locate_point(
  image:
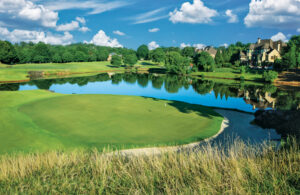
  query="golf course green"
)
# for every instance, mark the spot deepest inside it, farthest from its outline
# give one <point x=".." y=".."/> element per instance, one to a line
<point x="40" y="120"/>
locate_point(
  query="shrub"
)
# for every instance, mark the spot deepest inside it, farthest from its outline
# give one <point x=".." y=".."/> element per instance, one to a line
<point x="270" y="76"/>
<point x="242" y="78"/>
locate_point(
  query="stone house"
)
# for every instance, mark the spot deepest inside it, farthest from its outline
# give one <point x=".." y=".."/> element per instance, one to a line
<point x="211" y="50"/>
<point x="263" y="51"/>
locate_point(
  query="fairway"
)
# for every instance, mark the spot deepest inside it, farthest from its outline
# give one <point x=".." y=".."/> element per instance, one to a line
<point x="40" y="121"/>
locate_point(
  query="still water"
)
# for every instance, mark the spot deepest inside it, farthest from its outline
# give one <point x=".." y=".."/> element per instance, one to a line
<point x="240" y="96"/>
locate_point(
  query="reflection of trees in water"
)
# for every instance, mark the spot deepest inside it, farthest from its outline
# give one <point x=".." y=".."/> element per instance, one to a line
<point x="130" y="78"/>
<point x="142" y="79"/>
<point x="10" y="87"/>
<point x="174" y="82"/>
<point x="259" y="96"/>
<point x="157" y="81"/>
<point x="203" y="86"/>
<point x="116" y="78"/>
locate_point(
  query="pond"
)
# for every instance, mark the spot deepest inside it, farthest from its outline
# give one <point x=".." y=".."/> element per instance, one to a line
<point x="214" y="93"/>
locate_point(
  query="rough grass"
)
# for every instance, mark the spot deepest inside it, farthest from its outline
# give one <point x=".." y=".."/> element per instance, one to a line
<point x="211" y="170"/>
<point x="42" y="121"/>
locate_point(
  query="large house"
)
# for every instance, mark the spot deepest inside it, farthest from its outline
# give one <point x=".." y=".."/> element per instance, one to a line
<point x="211" y="50"/>
<point x="263" y="51"/>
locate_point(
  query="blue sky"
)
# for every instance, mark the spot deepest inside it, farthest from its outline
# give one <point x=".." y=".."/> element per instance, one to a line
<point x="130" y="23"/>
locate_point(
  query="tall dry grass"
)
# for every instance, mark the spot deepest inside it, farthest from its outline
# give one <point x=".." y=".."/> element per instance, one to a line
<point x="239" y="169"/>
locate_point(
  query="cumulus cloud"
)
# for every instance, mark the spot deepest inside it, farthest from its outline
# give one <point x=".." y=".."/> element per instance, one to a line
<point x="193" y="13"/>
<point x="102" y="39"/>
<point x="84" y="29"/>
<point x="279" y="36"/>
<point x="19" y="11"/>
<point x="117" y="32"/>
<point x="74" y="25"/>
<point x="224" y="45"/>
<point x="273" y="14"/>
<point x="198" y="45"/>
<point x="233" y="18"/>
<point x="154" y="30"/>
<point x="18" y="35"/>
<point x="81" y="20"/>
<point x="153" y="45"/>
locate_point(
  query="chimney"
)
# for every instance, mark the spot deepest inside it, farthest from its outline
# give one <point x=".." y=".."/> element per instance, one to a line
<point x="278" y="46"/>
<point x="258" y="41"/>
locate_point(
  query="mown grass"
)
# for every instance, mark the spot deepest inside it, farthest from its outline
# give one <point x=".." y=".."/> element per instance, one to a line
<point x="210" y="170"/>
<point x="20" y="71"/>
<point x="230" y="73"/>
<point x="41" y="121"/>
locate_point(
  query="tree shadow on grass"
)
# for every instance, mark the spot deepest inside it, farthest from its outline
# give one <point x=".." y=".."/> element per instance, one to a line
<point x="189" y="108"/>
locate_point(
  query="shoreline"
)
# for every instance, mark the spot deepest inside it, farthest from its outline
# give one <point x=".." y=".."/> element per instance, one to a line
<point x="159" y="150"/>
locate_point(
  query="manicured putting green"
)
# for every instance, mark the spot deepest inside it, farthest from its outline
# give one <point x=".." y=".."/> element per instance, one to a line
<point x="40" y="120"/>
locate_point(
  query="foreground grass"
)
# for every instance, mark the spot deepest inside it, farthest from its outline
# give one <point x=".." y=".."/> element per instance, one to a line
<point x="20" y="71"/>
<point x="211" y="170"/>
<point x="41" y="121"/>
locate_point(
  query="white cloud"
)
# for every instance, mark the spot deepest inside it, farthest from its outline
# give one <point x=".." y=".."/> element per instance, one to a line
<point x="198" y="45"/>
<point x="95" y="6"/>
<point x="74" y="25"/>
<point x="81" y="20"/>
<point x="183" y="45"/>
<point x="150" y="16"/>
<point x="117" y="32"/>
<point x="224" y="45"/>
<point x="19" y="11"/>
<point x="233" y="18"/>
<point x="298" y="30"/>
<point x="18" y="35"/>
<point x="84" y="29"/>
<point x="102" y="39"/>
<point x="279" y="36"/>
<point x="193" y="13"/>
<point x="153" y="45"/>
<point x="273" y="14"/>
<point x="154" y="30"/>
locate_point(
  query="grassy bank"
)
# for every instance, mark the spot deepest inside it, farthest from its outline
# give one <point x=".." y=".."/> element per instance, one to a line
<point x="20" y="72"/>
<point x="207" y="171"/>
<point x="42" y="121"/>
<point x="229" y="73"/>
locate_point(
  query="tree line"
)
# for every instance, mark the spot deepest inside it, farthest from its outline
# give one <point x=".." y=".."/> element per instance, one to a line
<point x="176" y="60"/>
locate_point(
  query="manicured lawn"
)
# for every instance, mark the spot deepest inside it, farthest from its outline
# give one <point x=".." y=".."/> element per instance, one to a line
<point x="230" y="73"/>
<point x="40" y="121"/>
<point x="20" y="71"/>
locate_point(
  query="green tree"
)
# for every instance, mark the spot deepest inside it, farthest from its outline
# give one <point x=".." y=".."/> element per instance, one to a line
<point x="41" y="53"/>
<point x="158" y="55"/>
<point x="8" y="54"/>
<point x="142" y="52"/>
<point x="57" y="58"/>
<point x="130" y="59"/>
<point x="204" y="61"/>
<point x="116" y="60"/>
<point x="219" y="58"/>
<point x="80" y="57"/>
<point x="270" y="76"/>
<point x="177" y="64"/>
<point x="188" y="52"/>
<point x="67" y="57"/>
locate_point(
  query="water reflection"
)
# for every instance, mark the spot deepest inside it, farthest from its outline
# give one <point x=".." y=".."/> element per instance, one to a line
<point x="242" y="96"/>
